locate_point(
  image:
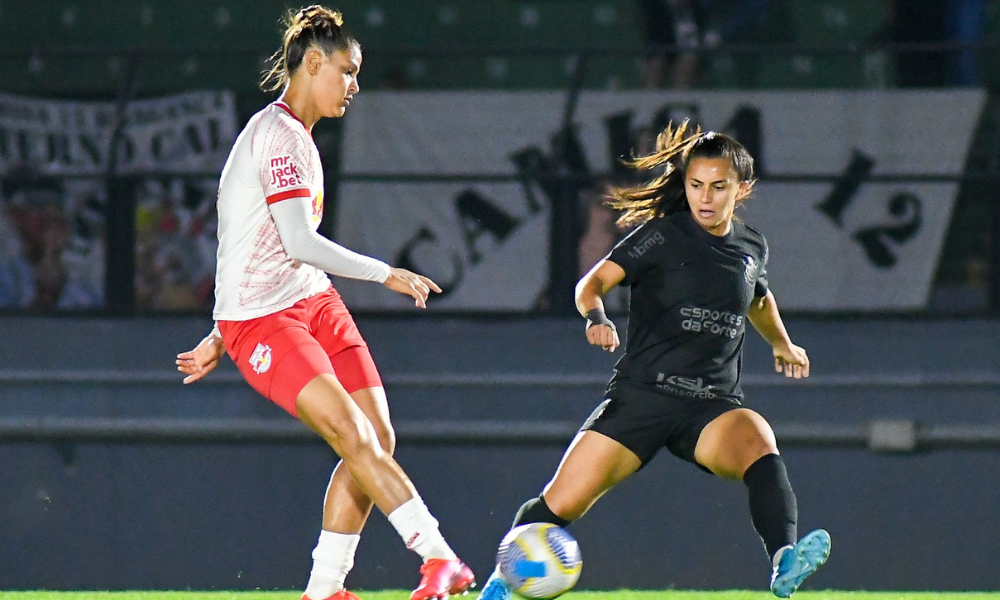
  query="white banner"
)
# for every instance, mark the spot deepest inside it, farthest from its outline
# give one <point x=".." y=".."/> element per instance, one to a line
<point x="52" y="254"/>
<point x="179" y="134"/>
<point x="850" y="244"/>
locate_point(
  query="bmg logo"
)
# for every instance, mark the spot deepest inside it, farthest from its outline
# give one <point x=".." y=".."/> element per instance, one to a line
<point x="643" y="247"/>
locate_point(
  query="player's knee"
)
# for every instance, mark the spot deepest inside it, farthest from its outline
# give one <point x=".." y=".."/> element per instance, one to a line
<point x="322" y="424"/>
<point x="753" y="434"/>
<point x="752" y="454"/>
<point x="351" y="439"/>
<point x="360" y="439"/>
<point x="387" y="440"/>
<point x="384" y="434"/>
<point x="759" y="446"/>
<point x="568" y="509"/>
<point x="537" y="510"/>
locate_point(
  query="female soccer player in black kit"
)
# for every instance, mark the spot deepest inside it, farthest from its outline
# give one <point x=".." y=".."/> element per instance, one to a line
<point x="696" y="276"/>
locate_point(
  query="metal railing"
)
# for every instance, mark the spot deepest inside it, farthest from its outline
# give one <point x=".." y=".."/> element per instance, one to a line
<point x="884" y="435"/>
<point x="875" y="435"/>
<point x="976" y="379"/>
<point x="843" y="48"/>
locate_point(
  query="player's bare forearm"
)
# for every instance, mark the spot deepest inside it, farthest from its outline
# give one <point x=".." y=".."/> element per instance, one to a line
<point x="788" y="358"/>
<point x="589" y="295"/>
<point x="202" y="359"/>
<point x="598" y="281"/>
<point x="766" y="319"/>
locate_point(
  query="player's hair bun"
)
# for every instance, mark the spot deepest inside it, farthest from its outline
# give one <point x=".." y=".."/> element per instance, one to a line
<point x="312" y="25"/>
<point x="315" y="15"/>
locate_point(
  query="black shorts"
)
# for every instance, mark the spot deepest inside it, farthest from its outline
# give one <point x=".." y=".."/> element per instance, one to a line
<point x="645" y="420"/>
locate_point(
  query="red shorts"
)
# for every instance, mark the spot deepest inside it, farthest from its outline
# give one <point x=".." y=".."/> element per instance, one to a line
<point x="278" y="354"/>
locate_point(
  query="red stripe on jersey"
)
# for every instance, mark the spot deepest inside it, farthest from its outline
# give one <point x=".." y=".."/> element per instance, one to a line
<point x="299" y="193"/>
<point x="288" y="110"/>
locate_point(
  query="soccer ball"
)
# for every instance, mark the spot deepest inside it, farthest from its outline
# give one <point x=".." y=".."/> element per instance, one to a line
<point x="539" y="560"/>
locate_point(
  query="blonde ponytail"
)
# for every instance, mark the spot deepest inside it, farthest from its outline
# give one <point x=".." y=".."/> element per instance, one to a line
<point x="312" y="25"/>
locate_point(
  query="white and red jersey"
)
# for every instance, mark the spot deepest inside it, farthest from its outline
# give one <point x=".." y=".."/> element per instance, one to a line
<point x="274" y="159"/>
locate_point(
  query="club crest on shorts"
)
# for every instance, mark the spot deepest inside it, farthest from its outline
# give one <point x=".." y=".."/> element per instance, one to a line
<point x="260" y="360"/>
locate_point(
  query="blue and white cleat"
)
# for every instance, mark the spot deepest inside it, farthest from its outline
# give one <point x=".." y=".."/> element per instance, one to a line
<point x="495" y="588"/>
<point x="799" y="561"/>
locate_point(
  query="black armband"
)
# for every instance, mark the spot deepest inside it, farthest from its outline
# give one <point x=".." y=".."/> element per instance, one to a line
<point x="596" y="316"/>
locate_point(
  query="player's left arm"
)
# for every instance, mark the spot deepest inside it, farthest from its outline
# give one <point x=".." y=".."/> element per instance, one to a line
<point x="203" y="358"/>
<point x="766" y="319"/>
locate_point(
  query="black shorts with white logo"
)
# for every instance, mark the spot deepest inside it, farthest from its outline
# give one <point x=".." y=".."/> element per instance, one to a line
<point x="645" y="420"/>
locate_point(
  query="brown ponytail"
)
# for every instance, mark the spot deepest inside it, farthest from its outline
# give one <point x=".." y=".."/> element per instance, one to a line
<point x="665" y="194"/>
<point x="310" y="26"/>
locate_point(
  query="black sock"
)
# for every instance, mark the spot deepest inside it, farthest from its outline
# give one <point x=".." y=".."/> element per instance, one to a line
<point x="537" y="511"/>
<point x="772" y="502"/>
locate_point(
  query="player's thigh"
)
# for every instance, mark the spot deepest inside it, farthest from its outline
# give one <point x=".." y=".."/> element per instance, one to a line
<point x="733" y="441"/>
<point x="592" y="465"/>
<point x="356" y="371"/>
<point x="276" y="355"/>
<point x="373" y="403"/>
<point x="326" y="408"/>
<point x="355" y="367"/>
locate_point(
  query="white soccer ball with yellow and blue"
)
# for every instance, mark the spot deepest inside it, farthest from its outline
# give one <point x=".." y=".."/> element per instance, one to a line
<point x="539" y="560"/>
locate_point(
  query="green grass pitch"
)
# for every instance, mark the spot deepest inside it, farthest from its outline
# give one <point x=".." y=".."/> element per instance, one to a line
<point x="580" y="595"/>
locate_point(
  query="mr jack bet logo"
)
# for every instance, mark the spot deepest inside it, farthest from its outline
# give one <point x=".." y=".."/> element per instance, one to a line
<point x="284" y="173"/>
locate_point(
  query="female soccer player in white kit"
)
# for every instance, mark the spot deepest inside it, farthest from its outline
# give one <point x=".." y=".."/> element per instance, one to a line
<point x="286" y="327"/>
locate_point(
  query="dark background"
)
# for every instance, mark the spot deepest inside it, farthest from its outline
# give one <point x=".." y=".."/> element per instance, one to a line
<point x="103" y="485"/>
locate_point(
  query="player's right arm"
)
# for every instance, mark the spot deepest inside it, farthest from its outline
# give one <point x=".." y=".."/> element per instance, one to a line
<point x="412" y="284"/>
<point x="590" y="292"/>
<point x="203" y="358"/>
<point x="302" y="243"/>
<point x="290" y="203"/>
<point x="630" y="257"/>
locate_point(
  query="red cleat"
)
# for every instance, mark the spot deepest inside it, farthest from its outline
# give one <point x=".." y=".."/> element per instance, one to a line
<point x="341" y="595"/>
<point x="443" y="578"/>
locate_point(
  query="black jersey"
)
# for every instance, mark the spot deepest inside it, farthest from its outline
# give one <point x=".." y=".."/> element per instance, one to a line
<point x="690" y="294"/>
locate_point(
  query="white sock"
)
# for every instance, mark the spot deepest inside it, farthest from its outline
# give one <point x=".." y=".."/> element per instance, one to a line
<point x="495" y="574"/>
<point x="419" y="530"/>
<point x="333" y="558"/>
